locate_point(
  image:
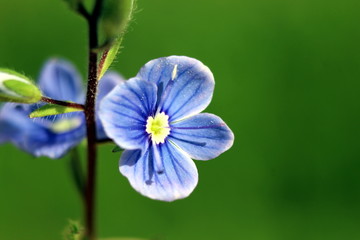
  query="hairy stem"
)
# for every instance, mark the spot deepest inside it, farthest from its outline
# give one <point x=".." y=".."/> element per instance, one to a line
<point x="90" y="123"/>
<point x="63" y="103"/>
<point x="91" y="149"/>
<point x="82" y="11"/>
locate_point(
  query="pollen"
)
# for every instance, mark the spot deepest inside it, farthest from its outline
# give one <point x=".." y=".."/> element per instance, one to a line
<point x="158" y="127"/>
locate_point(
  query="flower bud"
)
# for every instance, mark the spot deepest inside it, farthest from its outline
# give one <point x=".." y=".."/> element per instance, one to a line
<point x="15" y="87"/>
<point x="115" y="16"/>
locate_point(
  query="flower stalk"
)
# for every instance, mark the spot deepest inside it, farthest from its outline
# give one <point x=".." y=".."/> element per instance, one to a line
<point x="62" y="103"/>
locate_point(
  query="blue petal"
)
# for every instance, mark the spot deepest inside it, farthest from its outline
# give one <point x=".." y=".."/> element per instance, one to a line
<point x="5" y="132"/>
<point x="124" y="111"/>
<point x="53" y="145"/>
<point x="14" y="123"/>
<point x="59" y="80"/>
<point x="36" y="136"/>
<point x="185" y="85"/>
<point x="176" y="180"/>
<point x="106" y="84"/>
<point x="203" y="136"/>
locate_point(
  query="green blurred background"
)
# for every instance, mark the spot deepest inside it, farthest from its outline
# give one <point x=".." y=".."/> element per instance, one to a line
<point x="287" y="82"/>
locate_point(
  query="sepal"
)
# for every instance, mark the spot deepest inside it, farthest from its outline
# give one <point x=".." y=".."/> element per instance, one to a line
<point x="51" y="109"/>
<point x="115" y="17"/>
<point x="117" y="149"/>
<point x="108" y="57"/>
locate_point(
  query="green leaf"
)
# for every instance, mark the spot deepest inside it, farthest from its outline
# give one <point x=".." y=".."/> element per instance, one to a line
<point x="51" y="109"/>
<point x="115" y="17"/>
<point x="117" y="149"/>
<point x="108" y="57"/>
<point x="15" y="87"/>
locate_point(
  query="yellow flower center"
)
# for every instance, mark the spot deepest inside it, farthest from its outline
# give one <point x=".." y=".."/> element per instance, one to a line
<point x="158" y="127"/>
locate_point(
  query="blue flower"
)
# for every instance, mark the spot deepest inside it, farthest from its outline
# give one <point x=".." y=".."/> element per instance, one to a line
<point x="52" y="136"/>
<point x="156" y="117"/>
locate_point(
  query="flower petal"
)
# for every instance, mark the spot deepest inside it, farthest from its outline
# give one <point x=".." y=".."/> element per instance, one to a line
<point x="106" y="84"/>
<point x="124" y="111"/>
<point x="53" y="145"/>
<point x="13" y="123"/>
<point x="60" y="80"/>
<point x="185" y="85"/>
<point x="177" y="180"/>
<point x="36" y="137"/>
<point x="203" y="136"/>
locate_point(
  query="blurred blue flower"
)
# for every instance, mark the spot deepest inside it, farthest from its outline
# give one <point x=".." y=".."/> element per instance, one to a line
<point x="156" y="117"/>
<point x="52" y="136"/>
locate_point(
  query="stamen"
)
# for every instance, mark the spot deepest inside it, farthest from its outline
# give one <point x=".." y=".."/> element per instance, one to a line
<point x="158" y="164"/>
<point x="174" y="72"/>
<point x="158" y="127"/>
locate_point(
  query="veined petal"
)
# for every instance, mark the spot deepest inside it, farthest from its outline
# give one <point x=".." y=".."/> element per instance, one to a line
<point x="177" y="180"/>
<point x="124" y="111"/>
<point x="34" y="137"/>
<point x="185" y="85"/>
<point x="60" y="80"/>
<point x="106" y="84"/>
<point x="203" y="136"/>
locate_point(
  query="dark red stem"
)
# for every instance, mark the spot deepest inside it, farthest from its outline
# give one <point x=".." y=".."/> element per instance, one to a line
<point x="90" y="122"/>
<point x="63" y="103"/>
